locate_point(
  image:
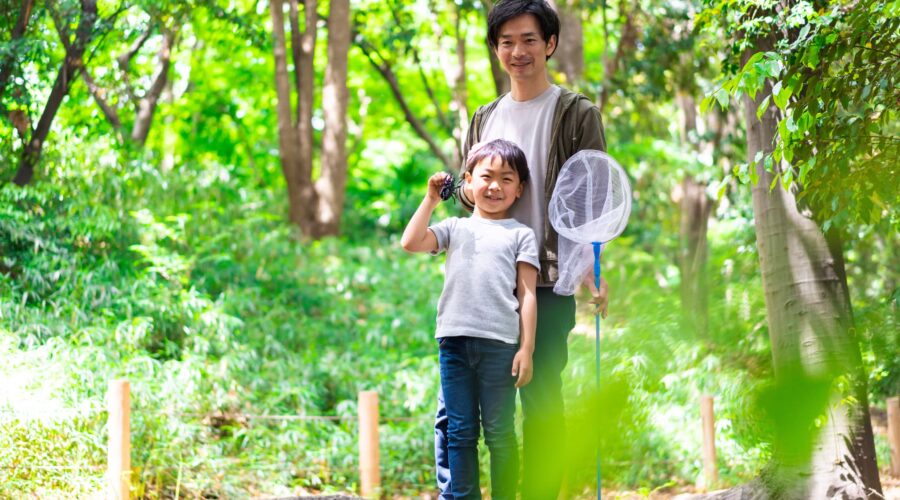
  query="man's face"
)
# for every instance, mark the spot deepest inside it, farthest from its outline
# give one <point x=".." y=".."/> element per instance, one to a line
<point x="521" y="49"/>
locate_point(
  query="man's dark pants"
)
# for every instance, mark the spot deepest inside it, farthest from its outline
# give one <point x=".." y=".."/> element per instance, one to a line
<point x="542" y="405"/>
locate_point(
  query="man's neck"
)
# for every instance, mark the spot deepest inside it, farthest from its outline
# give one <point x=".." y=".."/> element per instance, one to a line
<point x="528" y="90"/>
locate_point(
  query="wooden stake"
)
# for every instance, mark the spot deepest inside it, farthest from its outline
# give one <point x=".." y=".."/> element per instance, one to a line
<point x="710" y="472"/>
<point x="119" y="453"/>
<point x="369" y="468"/>
<point x="893" y="416"/>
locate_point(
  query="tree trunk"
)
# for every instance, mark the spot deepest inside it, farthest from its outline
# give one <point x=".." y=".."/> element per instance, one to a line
<point x="501" y="79"/>
<point x="695" y="210"/>
<point x="569" y="54"/>
<point x="810" y="329"/>
<point x="147" y="105"/>
<point x="627" y="43"/>
<point x="460" y="91"/>
<point x="68" y="70"/>
<point x="295" y="141"/>
<point x="305" y="82"/>
<point x="332" y="182"/>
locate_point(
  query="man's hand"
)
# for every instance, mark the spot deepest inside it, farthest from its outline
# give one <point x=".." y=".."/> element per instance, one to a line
<point x="522" y="368"/>
<point x="600" y="298"/>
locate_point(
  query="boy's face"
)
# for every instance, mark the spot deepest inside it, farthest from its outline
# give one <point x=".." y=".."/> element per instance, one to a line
<point x="495" y="186"/>
<point x="522" y="50"/>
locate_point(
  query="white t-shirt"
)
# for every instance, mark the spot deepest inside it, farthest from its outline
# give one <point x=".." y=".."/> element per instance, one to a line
<point x="479" y="298"/>
<point x="528" y="125"/>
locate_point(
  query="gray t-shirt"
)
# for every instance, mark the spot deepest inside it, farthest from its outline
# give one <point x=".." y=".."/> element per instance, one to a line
<point x="528" y="124"/>
<point x="479" y="298"/>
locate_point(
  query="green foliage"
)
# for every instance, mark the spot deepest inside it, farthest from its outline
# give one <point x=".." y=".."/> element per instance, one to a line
<point x="832" y="73"/>
<point x="173" y="265"/>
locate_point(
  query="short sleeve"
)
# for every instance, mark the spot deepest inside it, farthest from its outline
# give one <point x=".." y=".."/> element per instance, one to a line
<point x="442" y="231"/>
<point x="527" y="248"/>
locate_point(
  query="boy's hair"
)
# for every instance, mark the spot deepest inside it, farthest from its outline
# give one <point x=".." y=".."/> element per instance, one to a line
<point x="506" y="151"/>
<point x="505" y="10"/>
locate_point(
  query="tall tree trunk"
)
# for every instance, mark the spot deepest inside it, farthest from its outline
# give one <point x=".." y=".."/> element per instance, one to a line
<point x="305" y="83"/>
<point x="501" y="79"/>
<point x="810" y="328"/>
<point x="569" y="54"/>
<point x="627" y="43"/>
<point x="460" y="90"/>
<point x="295" y="140"/>
<point x="68" y="71"/>
<point x="332" y="182"/>
<point x="695" y="210"/>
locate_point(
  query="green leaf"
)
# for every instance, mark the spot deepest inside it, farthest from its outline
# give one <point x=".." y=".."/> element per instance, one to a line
<point x="722" y="98"/>
<point x="782" y="94"/>
<point x="723" y="186"/>
<point x="790" y="124"/>
<point x="812" y="56"/>
<point x="762" y="107"/>
<point x="783" y="131"/>
<point x="774" y="181"/>
<point x="805" y="168"/>
<point x="787" y="178"/>
<point x="805" y="123"/>
<point x="704" y="104"/>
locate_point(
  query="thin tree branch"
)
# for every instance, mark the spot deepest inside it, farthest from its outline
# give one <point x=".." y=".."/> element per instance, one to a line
<point x="110" y="112"/>
<point x="147" y="105"/>
<point x="388" y="74"/>
<point x="415" y="53"/>
<point x="124" y="60"/>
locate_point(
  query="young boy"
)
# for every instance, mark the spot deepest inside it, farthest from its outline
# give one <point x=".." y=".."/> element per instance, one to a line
<point x="486" y="314"/>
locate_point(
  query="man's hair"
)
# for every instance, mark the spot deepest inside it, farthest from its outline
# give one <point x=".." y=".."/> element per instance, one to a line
<point x="506" y="151"/>
<point x="504" y="10"/>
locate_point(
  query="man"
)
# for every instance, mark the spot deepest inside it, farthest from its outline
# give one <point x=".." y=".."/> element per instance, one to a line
<point x="550" y="124"/>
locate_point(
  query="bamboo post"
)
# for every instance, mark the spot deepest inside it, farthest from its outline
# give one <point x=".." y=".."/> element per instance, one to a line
<point x="710" y="472"/>
<point x="893" y="414"/>
<point x="369" y="468"/>
<point x="119" y="451"/>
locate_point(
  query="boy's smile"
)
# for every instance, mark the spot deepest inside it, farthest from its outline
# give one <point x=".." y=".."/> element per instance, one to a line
<point x="495" y="186"/>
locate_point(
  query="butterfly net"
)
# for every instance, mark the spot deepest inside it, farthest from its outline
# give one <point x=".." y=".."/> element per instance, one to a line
<point x="591" y="203"/>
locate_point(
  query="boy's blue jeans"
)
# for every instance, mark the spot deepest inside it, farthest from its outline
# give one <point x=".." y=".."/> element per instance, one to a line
<point x="542" y="406"/>
<point x="477" y="385"/>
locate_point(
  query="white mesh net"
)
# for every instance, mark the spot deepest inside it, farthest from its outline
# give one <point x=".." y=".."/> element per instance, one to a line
<point x="591" y="203"/>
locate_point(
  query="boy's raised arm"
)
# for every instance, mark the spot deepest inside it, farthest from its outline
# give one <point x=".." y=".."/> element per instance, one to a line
<point x="416" y="236"/>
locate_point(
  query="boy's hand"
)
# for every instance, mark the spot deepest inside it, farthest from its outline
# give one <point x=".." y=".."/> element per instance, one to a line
<point x="522" y="368"/>
<point x="434" y="186"/>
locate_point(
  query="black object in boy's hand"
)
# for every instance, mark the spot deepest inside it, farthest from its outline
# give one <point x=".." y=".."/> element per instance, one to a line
<point x="450" y="188"/>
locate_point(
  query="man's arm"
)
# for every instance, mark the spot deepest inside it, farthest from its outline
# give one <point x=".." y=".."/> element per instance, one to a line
<point x="592" y="136"/>
<point x="590" y="133"/>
